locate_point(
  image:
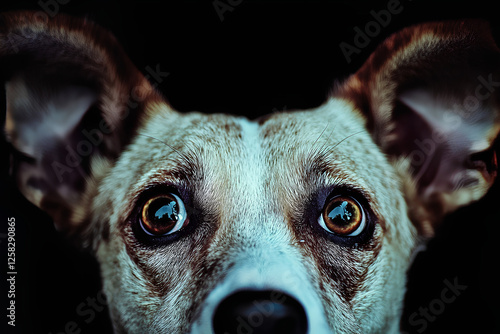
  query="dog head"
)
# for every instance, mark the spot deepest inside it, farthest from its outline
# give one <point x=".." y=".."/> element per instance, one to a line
<point x="301" y="221"/>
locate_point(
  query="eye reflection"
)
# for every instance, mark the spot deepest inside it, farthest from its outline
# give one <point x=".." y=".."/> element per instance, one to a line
<point x="164" y="214"/>
<point x="341" y="212"/>
<point x="170" y="210"/>
<point x="343" y="215"/>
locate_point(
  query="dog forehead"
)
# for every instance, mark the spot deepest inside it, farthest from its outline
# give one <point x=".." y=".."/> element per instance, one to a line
<point x="235" y="160"/>
<point x="331" y="139"/>
<point x="226" y="149"/>
<point x="225" y="146"/>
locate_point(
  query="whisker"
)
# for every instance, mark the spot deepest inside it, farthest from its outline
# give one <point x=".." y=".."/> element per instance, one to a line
<point x="322" y="152"/>
<point x="181" y="154"/>
<point x="314" y="144"/>
<point x="347" y="137"/>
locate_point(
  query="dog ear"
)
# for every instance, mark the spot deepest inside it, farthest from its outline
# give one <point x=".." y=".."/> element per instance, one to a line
<point x="430" y="97"/>
<point x="73" y="101"/>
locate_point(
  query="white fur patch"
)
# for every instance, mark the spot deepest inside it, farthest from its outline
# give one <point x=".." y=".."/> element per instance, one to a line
<point x="272" y="263"/>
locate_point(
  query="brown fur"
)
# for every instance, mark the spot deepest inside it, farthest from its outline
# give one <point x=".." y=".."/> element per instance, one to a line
<point x="254" y="190"/>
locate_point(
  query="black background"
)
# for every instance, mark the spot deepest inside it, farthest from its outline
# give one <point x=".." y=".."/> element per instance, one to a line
<point x="264" y="56"/>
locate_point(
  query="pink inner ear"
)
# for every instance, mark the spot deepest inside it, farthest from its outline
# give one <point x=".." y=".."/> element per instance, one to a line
<point x="38" y="115"/>
<point x="439" y="136"/>
<point x="447" y="116"/>
<point x="44" y="121"/>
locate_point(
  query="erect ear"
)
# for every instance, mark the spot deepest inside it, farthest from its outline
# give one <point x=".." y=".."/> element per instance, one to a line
<point x="430" y="94"/>
<point x="73" y="102"/>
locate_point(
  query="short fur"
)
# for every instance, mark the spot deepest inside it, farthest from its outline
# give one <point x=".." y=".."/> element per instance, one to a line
<point x="254" y="189"/>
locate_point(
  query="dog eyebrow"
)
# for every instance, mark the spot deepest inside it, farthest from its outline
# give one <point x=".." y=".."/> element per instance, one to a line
<point x="182" y="155"/>
<point x="179" y="170"/>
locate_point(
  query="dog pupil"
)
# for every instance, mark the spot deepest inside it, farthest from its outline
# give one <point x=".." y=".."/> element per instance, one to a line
<point x="341" y="215"/>
<point x="163" y="211"/>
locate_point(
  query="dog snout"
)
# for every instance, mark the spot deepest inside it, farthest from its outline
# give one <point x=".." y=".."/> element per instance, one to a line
<point x="260" y="312"/>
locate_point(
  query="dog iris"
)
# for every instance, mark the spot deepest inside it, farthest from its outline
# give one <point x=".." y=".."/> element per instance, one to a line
<point x="343" y="216"/>
<point x="163" y="214"/>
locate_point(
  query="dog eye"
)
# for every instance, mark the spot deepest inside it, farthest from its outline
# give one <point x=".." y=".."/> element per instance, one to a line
<point x="164" y="214"/>
<point x="343" y="216"/>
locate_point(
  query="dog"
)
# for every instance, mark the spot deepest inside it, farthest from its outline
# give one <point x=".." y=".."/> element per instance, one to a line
<point x="296" y="222"/>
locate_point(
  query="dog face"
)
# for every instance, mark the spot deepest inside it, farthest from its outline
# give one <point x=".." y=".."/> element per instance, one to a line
<point x="301" y="221"/>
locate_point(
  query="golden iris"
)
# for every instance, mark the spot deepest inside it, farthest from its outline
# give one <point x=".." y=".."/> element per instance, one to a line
<point x="342" y="215"/>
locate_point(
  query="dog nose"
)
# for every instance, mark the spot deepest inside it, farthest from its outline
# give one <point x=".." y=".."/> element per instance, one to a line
<point x="260" y="312"/>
